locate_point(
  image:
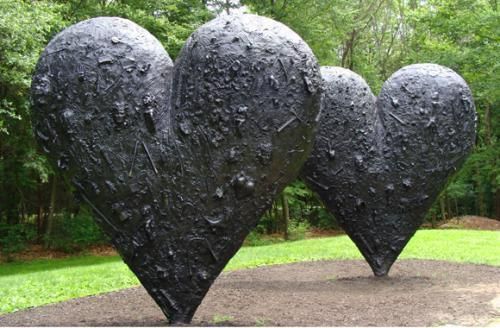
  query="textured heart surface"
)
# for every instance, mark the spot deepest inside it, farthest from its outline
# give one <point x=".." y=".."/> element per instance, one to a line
<point x="379" y="163"/>
<point x="178" y="162"/>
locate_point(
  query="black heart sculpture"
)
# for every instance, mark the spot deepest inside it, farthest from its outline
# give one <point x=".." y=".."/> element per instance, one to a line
<point x="379" y="163"/>
<point x="178" y="162"/>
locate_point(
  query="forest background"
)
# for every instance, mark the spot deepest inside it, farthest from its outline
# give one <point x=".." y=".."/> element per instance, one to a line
<point x="374" y="38"/>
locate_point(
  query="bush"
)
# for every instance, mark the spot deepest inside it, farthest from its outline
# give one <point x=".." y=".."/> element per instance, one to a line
<point x="15" y="238"/>
<point x="75" y="232"/>
<point x="255" y="238"/>
<point x="297" y="230"/>
<point x="320" y="217"/>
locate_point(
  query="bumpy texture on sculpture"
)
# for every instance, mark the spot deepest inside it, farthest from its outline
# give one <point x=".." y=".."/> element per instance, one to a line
<point x="379" y="163"/>
<point x="178" y="162"/>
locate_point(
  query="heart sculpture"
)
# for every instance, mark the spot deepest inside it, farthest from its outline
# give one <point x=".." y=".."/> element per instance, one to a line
<point x="178" y="162"/>
<point x="379" y="163"/>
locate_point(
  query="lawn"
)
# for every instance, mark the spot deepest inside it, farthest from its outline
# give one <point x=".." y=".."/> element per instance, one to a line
<point x="24" y="285"/>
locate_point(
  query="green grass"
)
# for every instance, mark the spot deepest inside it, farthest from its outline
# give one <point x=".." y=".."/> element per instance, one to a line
<point x="472" y="246"/>
<point x="220" y="319"/>
<point x="34" y="283"/>
<point x="24" y="285"/>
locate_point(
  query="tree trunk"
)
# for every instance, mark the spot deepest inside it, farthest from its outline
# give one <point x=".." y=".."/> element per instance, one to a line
<point x="487" y="124"/>
<point x="448" y="207"/>
<point x="286" y="215"/>
<point x="50" y="217"/>
<point x="39" y="216"/>
<point x="497" y="204"/>
<point x="433" y="220"/>
<point x="276" y="217"/>
<point x="480" y="194"/>
<point x="442" y="205"/>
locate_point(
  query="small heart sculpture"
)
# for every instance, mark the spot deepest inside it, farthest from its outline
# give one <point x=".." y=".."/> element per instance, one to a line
<point x="379" y="163"/>
<point x="178" y="162"/>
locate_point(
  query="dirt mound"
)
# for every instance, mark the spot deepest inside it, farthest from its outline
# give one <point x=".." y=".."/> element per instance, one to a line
<point x="472" y="222"/>
<point x="326" y="293"/>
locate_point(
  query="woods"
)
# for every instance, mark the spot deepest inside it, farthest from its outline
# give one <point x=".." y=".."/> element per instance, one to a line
<point x="374" y="38"/>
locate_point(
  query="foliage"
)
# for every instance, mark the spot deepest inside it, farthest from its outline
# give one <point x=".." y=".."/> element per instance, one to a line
<point x="255" y="238"/>
<point x="305" y="208"/>
<point x="25" y="28"/>
<point x="75" y="232"/>
<point x="24" y="31"/>
<point x="297" y="230"/>
<point x="47" y="281"/>
<point x="15" y="238"/>
<point x="222" y="6"/>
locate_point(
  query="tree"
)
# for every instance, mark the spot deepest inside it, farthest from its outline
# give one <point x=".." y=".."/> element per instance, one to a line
<point x="24" y="30"/>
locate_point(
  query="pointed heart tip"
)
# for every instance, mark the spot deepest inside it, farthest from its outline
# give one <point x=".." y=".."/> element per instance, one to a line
<point x="179" y="320"/>
<point x="381" y="264"/>
<point x="380" y="272"/>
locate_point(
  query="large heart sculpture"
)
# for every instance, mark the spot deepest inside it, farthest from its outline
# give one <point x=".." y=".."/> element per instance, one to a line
<point x="379" y="163"/>
<point x="178" y="162"/>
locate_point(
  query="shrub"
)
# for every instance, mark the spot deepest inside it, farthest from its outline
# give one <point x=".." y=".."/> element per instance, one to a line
<point x="297" y="229"/>
<point x="15" y="238"/>
<point x="255" y="238"/>
<point x="74" y="232"/>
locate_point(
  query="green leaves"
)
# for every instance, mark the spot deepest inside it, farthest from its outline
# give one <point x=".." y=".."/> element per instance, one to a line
<point x="24" y="30"/>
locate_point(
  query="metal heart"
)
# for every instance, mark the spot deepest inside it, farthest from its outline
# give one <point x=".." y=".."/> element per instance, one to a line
<point x="379" y="163"/>
<point x="178" y="162"/>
